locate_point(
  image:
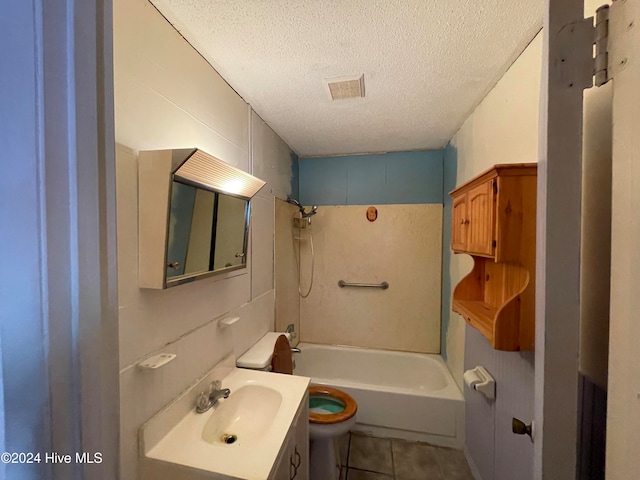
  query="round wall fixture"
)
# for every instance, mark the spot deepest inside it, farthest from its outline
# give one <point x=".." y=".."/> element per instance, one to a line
<point x="372" y="214"/>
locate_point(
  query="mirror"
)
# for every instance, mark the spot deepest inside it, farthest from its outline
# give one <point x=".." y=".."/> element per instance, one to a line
<point x="207" y="232"/>
<point x="194" y="216"/>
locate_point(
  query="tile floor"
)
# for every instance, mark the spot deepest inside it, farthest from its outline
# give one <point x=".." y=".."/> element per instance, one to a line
<point x="371" y="458"/>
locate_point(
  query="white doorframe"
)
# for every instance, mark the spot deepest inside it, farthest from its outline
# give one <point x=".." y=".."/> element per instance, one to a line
<point x="59" y="321"/>
<point x="558" y="239"/>
<point x="81" y="238"/>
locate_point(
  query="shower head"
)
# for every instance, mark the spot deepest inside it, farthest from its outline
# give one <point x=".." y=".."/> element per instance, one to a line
<point x="308" y="214"/>
<point x="303" y="213"/>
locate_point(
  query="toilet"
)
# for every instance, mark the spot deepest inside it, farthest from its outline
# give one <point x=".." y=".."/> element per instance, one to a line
<point x="332" y="412"/>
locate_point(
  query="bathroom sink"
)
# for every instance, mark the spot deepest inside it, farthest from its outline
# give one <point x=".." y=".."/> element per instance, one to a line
<point x="244" y="417"/>
<point x="240" y="437"/>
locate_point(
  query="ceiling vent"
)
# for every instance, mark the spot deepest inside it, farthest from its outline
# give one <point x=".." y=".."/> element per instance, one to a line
<point x="340" y="88"/>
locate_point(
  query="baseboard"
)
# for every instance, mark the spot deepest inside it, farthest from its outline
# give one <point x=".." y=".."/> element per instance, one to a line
<point x="384" y="432"/>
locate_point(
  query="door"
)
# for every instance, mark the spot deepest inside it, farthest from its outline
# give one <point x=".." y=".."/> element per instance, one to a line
<point x="481" y="218"/>
<point x="623" y="417"/>
<point x="458" y="225"/>
<point x="301" y="440"/>
<point x="567" y="70"/>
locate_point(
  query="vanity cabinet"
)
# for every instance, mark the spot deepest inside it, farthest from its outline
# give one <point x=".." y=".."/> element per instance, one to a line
<point x="293" y="461"/>
<point x="494" y="221"/>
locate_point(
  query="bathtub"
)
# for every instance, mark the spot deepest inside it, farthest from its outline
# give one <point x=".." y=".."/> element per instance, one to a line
<point x="400" y="395"/>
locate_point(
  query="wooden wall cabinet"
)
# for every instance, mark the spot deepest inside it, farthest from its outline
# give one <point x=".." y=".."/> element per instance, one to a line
<point x="494" y="221"/>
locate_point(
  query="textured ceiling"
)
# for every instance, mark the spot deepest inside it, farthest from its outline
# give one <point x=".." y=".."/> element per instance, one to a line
<point x="426" y="63"/>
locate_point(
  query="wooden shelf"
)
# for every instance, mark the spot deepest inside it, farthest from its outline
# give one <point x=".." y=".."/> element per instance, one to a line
<point x="494" y="218"/>
<point x="478" y="314"/>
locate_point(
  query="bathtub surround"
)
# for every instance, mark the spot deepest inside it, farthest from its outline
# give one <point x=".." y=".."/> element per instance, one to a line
<point x="385" y="178"/>
<point x="167" y="96"/>
<point x="397" y="180"/>
<point x="402" y="247"/>
<point x="286" y="268"/>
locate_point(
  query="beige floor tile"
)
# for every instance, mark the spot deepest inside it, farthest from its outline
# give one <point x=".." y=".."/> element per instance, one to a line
<point x="370" y="453"/>
<point x="364" y="475"/>
<point x="453" y="464"/>
<point x="415" y="461"/>
<point x="343" y="448"/>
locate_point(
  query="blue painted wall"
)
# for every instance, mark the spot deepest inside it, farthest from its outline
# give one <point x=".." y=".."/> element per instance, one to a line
<point x="386" y="178"/>
<point x="450" y="172"/>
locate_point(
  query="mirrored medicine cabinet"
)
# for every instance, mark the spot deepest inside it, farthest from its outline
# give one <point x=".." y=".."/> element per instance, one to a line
<point x="194" y="212"/>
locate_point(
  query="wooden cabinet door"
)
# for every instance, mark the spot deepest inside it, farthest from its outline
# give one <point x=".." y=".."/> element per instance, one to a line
<point x="480" y="206"/>
<point x="459" y="224"/>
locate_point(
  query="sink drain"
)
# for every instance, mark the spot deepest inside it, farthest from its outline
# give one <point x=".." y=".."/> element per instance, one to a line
<point x="228" y="438"/>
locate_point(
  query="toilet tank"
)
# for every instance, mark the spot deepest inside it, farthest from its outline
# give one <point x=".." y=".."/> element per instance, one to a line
<point x="259" y="356"/>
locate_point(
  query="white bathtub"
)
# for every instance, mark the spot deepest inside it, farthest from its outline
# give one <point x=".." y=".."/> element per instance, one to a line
<point x="400" y="395"/>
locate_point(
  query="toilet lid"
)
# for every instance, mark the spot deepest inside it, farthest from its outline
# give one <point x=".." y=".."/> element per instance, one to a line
<point x="281" y="362"/>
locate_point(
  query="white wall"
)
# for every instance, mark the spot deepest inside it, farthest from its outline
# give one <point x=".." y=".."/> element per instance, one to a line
<point x="167" y="96"/>
<point x="502" y="129"/>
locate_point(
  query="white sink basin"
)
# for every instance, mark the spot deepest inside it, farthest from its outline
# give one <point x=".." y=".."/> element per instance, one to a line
<point x="245" y="416"/>
<point x="240" y="437"/>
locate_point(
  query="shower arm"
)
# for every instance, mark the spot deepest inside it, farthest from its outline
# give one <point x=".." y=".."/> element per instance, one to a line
<point x="303" y="212"/>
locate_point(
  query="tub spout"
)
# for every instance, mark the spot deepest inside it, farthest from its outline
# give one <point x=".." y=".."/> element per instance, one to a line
<point x="295" y="350"/>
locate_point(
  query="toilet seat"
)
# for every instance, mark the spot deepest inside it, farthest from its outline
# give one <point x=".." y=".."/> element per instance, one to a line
<point x="350" y="405"/>
<point x="281" y="362"/>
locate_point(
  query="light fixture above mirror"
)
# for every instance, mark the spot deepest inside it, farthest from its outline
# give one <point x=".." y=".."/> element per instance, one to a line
<point x="205" y="171"/>
<point x="194" y="212"/>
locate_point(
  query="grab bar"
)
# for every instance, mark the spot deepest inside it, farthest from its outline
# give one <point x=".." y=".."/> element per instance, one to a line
<point x="383" y="285"/>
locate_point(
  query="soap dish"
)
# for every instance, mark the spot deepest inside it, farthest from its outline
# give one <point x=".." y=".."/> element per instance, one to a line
<point x="156" y="361"/>
<point x="225" y="322"/>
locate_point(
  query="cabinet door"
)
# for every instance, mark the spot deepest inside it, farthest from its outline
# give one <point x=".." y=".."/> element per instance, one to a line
<point x="459" y="224"/>
<point x="480" y="206"/>
<point x="284" y="469"/>
<point x="293" y="461"/>
<point x="301" y="439"/>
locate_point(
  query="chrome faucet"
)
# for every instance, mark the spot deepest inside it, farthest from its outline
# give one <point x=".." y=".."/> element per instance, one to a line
<point x="205" y="401"/>
<point x="291" y="330"/>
